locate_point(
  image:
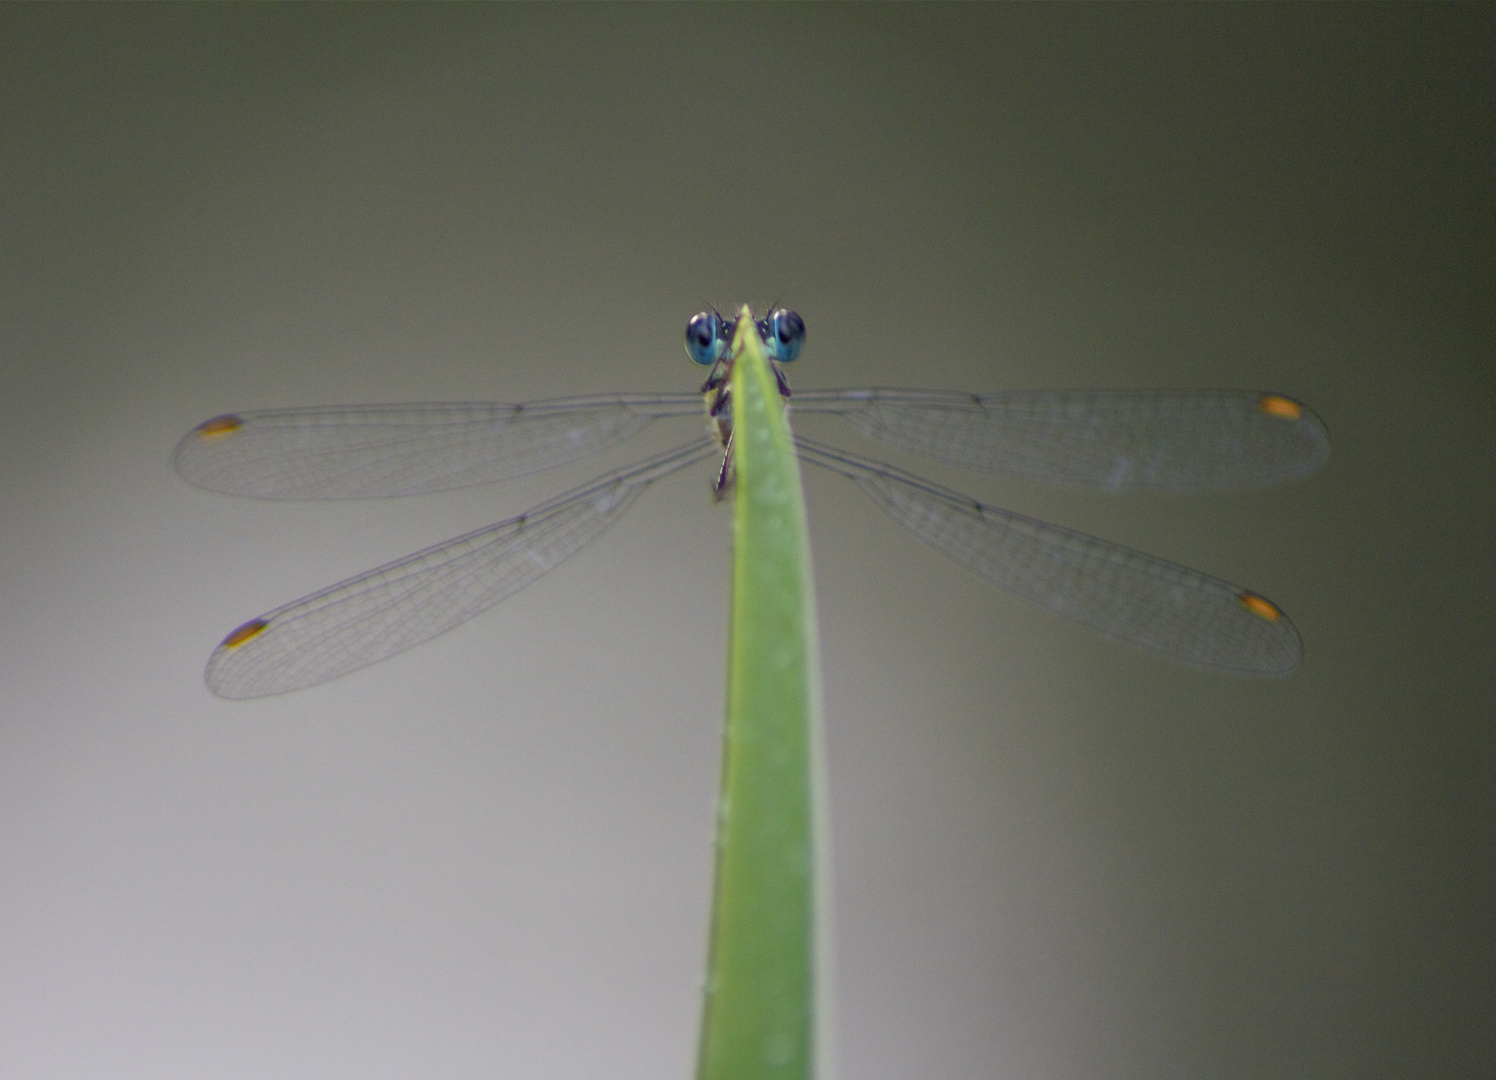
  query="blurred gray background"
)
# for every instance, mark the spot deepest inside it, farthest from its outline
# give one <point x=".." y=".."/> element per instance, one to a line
<point x="1054" y="856"/>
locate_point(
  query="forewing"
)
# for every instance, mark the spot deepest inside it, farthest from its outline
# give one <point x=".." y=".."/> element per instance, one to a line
<point x="1108" y="440"/>
<point x="369" y="451"/>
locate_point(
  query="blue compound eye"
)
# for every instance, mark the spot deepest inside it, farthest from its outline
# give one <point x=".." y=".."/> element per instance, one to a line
<point x="784" y="334"/>
<point x="704" y="337"/>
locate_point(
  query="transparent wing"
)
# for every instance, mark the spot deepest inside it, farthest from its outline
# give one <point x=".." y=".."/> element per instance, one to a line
<point x="1108" y="440"/>
<point x="387" y="610"/>
<point x="1145" y="601"/>
<point x="368" y="451"/>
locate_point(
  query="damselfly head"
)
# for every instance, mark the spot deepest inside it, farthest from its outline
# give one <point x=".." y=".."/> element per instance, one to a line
<point x="709" y="335"/>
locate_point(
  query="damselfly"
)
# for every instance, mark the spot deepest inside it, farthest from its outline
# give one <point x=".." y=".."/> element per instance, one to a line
<point x="1104" y="440"/>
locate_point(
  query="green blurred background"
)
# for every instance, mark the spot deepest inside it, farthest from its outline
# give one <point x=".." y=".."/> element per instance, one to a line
<point x="1054" y="856"/>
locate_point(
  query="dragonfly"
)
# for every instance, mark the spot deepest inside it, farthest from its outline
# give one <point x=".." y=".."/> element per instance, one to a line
<point x="1111" y="441"/>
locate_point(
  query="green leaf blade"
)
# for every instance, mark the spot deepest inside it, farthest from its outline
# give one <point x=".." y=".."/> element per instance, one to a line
<point x="764" y="981"/>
